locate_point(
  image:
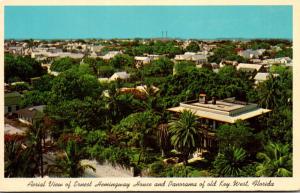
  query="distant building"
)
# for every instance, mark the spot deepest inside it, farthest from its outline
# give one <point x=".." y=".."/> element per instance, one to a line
<point x="191" y="56"/>
<point x="249" y="53"/>
<point x="110" y="55"/>
<point x="95" y="48"/>
<point x="228" y="63"/>
<point x="141" y="92"/>
<point x="283" y="60"/>
<point x="119" y="75"/>
<point x="12" y="102"/>
<point x="141" y="61"/>
<point x="262" y="76"/>
<point x="249" y="67"/>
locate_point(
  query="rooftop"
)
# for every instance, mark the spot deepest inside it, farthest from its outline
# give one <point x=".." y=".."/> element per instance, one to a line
<point x="249" y="66"/>
<point x="12" y="98"/>
<point x="227" y="110"/>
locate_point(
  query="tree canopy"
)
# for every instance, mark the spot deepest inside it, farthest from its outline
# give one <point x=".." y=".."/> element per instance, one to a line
<point x="62" y="64"/>
<point x="19" y="68"/>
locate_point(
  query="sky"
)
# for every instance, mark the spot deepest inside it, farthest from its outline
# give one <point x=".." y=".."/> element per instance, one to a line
<point x="188" y="22"/>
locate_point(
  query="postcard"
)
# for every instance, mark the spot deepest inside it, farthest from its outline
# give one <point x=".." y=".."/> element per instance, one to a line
<point x="149" y="96"/>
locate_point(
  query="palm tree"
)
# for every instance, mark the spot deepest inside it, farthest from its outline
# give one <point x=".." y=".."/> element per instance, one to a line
<point x="18" y="159"/>
<point x="184" y="134"/>
<point x="277" y="161"/>
<point x="270" y="92"/>
<point x="69" y="163"/>
<point x="231" y="162"/>
<point x="36" y="142"/>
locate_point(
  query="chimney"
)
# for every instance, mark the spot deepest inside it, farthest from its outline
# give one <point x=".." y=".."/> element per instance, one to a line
<point x="202" y="98"/>
<point x="214" y="100"/>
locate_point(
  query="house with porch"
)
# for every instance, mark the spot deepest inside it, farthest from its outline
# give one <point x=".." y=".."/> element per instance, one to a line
<point x="31" y="114"/>
<point x="215" y="112"/>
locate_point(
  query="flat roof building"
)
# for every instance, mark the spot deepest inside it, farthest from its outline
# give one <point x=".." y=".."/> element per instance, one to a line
<point x="212" y="112"/>
<point x="227" y="110"/>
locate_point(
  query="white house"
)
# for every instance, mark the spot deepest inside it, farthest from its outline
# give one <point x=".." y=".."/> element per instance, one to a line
<point x="191" y="56"/>
<point x="119" y="75"/>
<point x="262" y="76"/>
<point x="249" y="53"/>
<point x="249" y="67"/>
<point x="111" y="54"/>
<point x="141" y="61"/>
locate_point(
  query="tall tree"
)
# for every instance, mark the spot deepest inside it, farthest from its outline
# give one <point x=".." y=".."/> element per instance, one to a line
<point x="184" y="134"/>
<point x="136" y="130"/>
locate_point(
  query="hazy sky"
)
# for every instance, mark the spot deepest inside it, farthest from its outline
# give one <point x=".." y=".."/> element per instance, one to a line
<point x="203" y="22"/>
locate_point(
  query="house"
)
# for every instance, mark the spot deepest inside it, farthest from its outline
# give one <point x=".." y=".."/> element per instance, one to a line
<point x="228" y="63"/>
<point x="140" y="92"/>
<point x="119" y="75"/>
<point x="153" y="56"/>
<point x="18" y="50"/>
<point x="94" y="48"/>
<point x="191" y="56"/>
<point x="110" y="55"/>
<point x="281" y="60"/>
<point x="141" y="61"/>
<point x="71" y="55"/>
<point x="12" y="102"/>
<point x="249" y="67"/>
<point x="214" y="112"/>
<point x="262" y="76"/>
<point x="31" y="114"/>
<point x="255" y="61"/>
<point x="249" y="53"/>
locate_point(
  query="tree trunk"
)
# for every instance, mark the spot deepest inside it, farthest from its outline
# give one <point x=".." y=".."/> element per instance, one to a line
<point x="163" y="153"/>
<point x="41" y="158"/>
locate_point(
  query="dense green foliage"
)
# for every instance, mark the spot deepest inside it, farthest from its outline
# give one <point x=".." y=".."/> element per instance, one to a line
<point x="121" y="61"/>
<point x="89" y="119"/>
<point x="277" y="161"/>
<point x="193" y="47"/>
<point x="159" y="47"/>
<point x="19" y="68"/>
<point x="158" y="68"/>
<point x="226" y="52"/>
<point x="63" y="64"/>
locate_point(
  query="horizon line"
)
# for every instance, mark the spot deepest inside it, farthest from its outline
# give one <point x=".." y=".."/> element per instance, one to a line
<point x="162" y="38"/>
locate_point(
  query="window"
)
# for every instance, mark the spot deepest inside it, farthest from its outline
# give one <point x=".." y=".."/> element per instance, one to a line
<point x="9" y="109"/>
